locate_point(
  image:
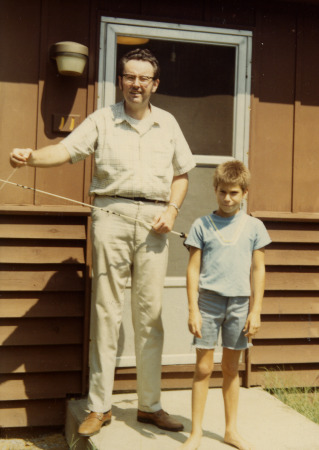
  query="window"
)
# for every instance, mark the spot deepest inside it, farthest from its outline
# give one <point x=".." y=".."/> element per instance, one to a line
<point x="205" y="80"/>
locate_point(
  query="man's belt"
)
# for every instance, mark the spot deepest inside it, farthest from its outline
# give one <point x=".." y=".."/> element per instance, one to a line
<point x="139" y="199"/>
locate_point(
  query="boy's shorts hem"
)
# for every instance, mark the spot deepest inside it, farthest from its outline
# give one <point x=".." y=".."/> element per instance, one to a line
<point x="242" y="348"/>
<point x="202" y="347"/>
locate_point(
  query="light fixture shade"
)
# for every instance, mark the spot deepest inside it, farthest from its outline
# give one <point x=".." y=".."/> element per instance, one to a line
<point x="131" y="40"/>
<point x="70" y="57"/>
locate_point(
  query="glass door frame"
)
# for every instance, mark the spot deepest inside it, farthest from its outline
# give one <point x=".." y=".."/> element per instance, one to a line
<point x="241" y="40"/>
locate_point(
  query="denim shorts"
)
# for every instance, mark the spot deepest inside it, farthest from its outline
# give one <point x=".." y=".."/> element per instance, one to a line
<point x="227" y="313"/>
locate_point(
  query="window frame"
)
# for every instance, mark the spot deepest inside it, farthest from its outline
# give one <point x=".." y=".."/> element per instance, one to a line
<point x="240" y="39"/>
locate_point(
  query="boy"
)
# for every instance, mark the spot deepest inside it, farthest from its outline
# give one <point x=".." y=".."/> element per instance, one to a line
<point x="225" y="247"/>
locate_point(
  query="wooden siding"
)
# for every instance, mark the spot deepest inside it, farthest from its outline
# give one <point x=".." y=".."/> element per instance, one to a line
<point x="19" y="78"/>
<point x="288" y="342"/>
<point x="45" y="412"/>
<point x="33" y="92"/>
<point x="283" y="154"/>
<point x="43" y="278"/>
<point x="272" y="115"/>
<point x="36" y="358"/>
<point x="173" y="377"/>
<point x="306" y="137"/>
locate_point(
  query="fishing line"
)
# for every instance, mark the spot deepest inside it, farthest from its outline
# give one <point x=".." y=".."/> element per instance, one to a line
<point x="10" y="176"/>
<point x="146" y="224"/>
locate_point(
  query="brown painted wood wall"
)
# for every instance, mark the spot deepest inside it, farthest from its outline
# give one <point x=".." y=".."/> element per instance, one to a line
<point x="44" y="300"/>
<point x="43" y="305"/>
<point x="42" y="326"/>
<point x="286" y="350"/>
<point x="284" y="157"/>
<point x="33" y="93"/>
<point x="284" y="161"/>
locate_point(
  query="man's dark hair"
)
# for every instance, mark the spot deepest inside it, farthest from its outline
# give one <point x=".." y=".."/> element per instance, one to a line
<point x="140" y="55"/>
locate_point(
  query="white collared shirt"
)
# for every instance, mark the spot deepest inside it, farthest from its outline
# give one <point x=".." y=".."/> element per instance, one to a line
<point x="132" y="158"/>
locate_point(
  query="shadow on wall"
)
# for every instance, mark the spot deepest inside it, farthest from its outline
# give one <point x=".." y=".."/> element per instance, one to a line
<point x="61" y="96"/>
<point x="42" y="351"/>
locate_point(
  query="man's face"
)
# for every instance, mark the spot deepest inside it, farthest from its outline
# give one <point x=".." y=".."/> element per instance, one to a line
<point x="137" y="91"/>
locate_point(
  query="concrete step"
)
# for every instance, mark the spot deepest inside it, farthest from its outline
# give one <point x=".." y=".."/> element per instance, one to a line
<point x="262" y="420"/>
<point x="124" y="432"/>
<point x="75" y="414"/>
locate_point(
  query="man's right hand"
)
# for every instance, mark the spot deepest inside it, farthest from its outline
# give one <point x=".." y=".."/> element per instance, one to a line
<point x="19" y="157"/>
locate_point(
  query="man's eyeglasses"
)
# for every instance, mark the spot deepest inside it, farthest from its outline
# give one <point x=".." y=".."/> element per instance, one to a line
<point x="143" y="79"/>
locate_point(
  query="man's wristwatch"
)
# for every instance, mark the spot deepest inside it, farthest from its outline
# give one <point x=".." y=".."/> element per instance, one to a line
<point x="175" y="206"/>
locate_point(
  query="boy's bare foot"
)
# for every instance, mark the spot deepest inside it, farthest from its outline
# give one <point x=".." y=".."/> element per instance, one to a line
<point x="237" y="441"/>
<point x="192" y="442"/>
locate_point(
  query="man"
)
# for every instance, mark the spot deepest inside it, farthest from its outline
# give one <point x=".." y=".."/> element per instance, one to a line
<point x="141" y="164"/>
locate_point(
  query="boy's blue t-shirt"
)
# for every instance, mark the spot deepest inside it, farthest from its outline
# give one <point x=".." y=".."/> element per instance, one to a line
<point x="227" y="244"/>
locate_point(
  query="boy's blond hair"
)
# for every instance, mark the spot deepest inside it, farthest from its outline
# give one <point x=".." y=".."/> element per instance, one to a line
<point x="232" y="172"/>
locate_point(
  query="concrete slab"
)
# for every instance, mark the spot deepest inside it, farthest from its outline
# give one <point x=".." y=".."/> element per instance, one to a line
<point x="263" y="420"/>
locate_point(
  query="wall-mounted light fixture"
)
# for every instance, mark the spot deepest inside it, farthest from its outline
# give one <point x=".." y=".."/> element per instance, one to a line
<point x="131" y="40"/>
<point x="70" y="57"/>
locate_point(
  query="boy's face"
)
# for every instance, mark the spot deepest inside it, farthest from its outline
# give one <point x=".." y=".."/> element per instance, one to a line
<point x="229" y="198"/>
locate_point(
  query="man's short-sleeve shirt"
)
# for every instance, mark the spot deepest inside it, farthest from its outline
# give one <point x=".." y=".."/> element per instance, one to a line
<point x="131" y="159"/>
<point x="227" y="246"/>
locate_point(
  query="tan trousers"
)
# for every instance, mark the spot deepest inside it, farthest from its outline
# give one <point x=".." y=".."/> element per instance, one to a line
<point x="123" y="248"/>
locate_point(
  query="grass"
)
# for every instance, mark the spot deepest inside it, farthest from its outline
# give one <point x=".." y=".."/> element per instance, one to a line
<point x="305" y="400"/>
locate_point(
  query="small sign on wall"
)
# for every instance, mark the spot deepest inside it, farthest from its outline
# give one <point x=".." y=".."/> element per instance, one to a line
<point x="65" y="123"/>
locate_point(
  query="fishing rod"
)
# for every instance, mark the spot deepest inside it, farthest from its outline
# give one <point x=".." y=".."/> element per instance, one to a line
<point x="146" y="224"/>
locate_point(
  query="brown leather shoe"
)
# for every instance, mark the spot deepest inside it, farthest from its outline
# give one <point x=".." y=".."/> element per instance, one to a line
<point x="93" y="423"/>
<point x="161" y="419"/>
